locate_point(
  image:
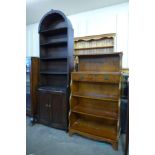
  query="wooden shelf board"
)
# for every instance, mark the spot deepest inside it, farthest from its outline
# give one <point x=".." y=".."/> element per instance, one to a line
<point x="102" y="77"/>
<point x="98" y="97"/>
<point x="95" y="128"/>
<point x="98" y="54"/>
<point x="95" y="112"/>
<point x="96" y="73"/>
<point x="94" y="137"/>
<point x="54" y="43"/>
<point x="53" y="58"/>
<point x="54" y="73"/>
<point x="54" y="30"/>
<point x="52" y="88"/>
<point x="89" y="48"/>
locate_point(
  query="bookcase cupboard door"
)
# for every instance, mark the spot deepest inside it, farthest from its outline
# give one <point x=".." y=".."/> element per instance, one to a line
<point x="43" y="100"/>
<point x="59" y="111"/>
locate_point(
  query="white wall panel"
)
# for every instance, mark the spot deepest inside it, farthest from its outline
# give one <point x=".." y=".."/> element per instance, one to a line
<point x="32" y="40"/>
<point x="113" y="19"/>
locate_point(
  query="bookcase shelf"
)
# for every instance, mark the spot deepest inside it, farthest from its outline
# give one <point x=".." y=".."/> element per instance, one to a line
<point x="97" y="47"/>
<point x="54" y="43"/>
<point x="53" y="31"/>
<point x="94" y="129"/>
<point x="56" y="63"/>
<point x="54" y="58"/>
<point x="95" y="97"/>
<point x="95" y="112"/>
<point x="104" y="77"/>
<point x="49" y="72"/>
<point x="52" y="88"/>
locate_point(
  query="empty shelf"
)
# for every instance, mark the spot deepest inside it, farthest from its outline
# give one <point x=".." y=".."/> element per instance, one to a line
<point x="48" y="72"/>
<point x="94" y="128"/>
<point x="99" y="47"/>
<point x="97" y="96"/>
<point x="54" y="31"/>
<point x="96" y="112"/>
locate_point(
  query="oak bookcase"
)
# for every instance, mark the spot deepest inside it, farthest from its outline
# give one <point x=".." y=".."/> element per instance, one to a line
<point x="95" y="97"/>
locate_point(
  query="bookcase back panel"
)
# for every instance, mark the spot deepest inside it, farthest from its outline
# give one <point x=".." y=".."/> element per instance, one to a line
<point x="54" y="66"/>
<point x="94" y="44"/>
<point x="53" y="52"/>
<point x="53" y="80"/>
<point x="94" y="51"/>
<point x="96" y="89"/>
<point x="100" y="105"/>
<point x="55" y="21"/>
<point x="54" y="38"/>
<point x="100" y="63"/>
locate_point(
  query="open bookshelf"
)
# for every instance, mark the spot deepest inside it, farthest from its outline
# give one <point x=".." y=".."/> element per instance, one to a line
<point x="56" y="63"/>
<point x="94" y="44"/>
<point x="93" y="127"/>
<point x="95" y="97"/>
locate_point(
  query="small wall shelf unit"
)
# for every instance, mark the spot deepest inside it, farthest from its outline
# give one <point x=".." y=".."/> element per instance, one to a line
<point x="95" y="44"/>
<point x="95" y="97"/>
<point x="56" y="63"/>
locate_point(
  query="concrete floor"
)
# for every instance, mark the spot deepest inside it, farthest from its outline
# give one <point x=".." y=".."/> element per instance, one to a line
<point x="43" y="140"/>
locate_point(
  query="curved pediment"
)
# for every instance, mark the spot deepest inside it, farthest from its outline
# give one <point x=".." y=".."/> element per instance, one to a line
<point x="53" y="19"/>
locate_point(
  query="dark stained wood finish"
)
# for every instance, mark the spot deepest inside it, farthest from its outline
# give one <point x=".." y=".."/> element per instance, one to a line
<point x="56" y="63"/>
<point x="52" y="108"/>
<point x="59" y="107"/>
<point x="44" y="110"/>
<point x="95" y="97"/>
<point x="34" y="80"/>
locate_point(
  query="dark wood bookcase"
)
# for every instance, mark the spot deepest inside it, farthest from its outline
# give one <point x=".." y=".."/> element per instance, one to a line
<point x="32" y="79"/>
<point x="56" y="63"/>
<point x="95" y="97"/>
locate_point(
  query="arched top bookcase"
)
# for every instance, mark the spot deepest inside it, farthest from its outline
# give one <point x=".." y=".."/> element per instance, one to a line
<point x="56" y="49"/>
<point x="54" y="19"/>
<point x="56" y="62"/>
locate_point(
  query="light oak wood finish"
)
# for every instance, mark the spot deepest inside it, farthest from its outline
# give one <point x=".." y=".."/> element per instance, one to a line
<point x="103" y="43"/>
<point x="95" y="97"/>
